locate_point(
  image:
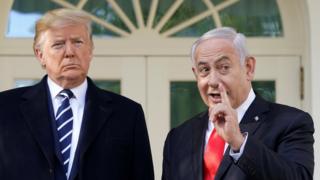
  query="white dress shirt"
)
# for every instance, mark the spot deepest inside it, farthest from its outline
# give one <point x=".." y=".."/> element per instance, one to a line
<point x="77" y="105"/>
<point x="241" y="110"/>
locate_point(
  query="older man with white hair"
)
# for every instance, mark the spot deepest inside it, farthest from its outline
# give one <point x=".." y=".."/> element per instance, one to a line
<point x="240" y="136"/>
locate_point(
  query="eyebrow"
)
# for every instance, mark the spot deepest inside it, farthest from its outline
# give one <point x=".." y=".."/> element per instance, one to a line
<point x="76" y="38"/>
<point x="201" y="63"/>
<point x="218" y="60"/>
<point x="58" y="40"/>
<point x="222" y="58"/>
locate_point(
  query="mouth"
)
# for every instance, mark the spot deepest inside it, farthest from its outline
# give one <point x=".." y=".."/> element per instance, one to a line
<point x="70" y="66"/>
<point x="215" y="98"/>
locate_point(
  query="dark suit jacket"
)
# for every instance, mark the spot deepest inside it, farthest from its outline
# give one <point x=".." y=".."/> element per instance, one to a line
<point x="279" y="146"/>
<point x="113" y="142"/>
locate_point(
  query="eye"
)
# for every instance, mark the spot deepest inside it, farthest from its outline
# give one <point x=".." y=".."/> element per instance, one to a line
<point x="224" y="68"/>
<point x="78" y="43"/>
<point x="57" y="45"/>
<point x="203" y="70"/>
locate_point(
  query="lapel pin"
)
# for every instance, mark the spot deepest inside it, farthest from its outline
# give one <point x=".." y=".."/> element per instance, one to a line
<point x="256" y="118"/>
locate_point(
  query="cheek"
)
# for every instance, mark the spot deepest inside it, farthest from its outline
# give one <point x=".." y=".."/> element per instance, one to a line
<point x="202" y="85"/>
<point x="85" y="57"/>
<point x="85" y="51"/>
<point x="54" y="61"/>
<point x="53" y="65"/>
<point x="54" y="56"/>
<point x="86" y="66"/>
<point x="234" y="88"/>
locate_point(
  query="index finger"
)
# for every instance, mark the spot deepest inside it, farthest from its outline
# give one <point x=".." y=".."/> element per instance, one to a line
<point x="223" y="94"/>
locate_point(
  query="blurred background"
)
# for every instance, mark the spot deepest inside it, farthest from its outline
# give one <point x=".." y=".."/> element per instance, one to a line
<point x="142" y="50"/>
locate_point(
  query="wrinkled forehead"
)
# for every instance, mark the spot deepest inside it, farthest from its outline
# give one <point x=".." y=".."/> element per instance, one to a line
<point x="215" y="48"/>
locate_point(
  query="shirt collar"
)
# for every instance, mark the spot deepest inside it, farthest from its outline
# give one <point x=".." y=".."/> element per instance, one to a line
<point x="79" y="92"/>
<point x="241" y="110"/>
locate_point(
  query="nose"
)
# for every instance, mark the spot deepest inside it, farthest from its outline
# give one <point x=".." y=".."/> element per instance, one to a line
<point x="69" y="52"/>
<point x="214" y="80"/>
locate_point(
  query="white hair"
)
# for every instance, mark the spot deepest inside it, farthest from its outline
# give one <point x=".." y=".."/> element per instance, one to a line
<point x="238" y="40"/>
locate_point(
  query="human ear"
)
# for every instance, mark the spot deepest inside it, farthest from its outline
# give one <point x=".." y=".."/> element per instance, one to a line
<point x="40" y="57"/>
<point x="250" y="65"/>
<point x="194" y="72"/>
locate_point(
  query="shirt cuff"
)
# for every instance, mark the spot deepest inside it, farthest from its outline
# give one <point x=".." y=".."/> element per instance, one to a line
<point x="237" y="155"/>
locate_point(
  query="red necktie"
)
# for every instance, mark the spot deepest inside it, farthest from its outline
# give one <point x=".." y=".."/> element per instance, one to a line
<point x="213" y="155"/>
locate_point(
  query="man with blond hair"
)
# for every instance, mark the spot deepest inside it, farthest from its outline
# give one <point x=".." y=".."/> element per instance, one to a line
<point x="65" y="127"/>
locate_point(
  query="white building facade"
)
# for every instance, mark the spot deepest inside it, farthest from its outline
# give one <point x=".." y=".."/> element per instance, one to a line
<point x="142" y="51"/>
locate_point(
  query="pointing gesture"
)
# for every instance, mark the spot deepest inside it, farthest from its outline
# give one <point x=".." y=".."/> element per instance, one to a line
<point x="223" y="94"/>
<point x="225" y="120"/>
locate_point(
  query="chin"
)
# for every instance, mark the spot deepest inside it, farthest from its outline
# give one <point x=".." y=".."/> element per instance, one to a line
<point x="73" y="73"/>
<point x="74" y="76"/>
<point x="209" y="104"/>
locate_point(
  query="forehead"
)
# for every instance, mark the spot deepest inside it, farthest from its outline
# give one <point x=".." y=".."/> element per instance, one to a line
<point x="214" y="49"/>
<point x="70" y="31"/>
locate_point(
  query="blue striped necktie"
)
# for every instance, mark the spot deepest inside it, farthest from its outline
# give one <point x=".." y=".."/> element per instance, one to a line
<point x="64" y="121"/>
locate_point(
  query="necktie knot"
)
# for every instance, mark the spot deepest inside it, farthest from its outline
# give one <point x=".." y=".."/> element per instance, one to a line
<point x="66" y="93"/>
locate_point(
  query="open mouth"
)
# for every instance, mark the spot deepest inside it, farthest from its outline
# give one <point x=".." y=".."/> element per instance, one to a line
<point x="215" y="97"/>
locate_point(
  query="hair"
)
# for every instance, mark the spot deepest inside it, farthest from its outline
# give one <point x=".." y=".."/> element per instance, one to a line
<point x="58" y="18"/>
<point x="227" y="33"/>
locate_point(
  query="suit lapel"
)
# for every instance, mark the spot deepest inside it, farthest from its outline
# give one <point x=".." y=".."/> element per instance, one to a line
<point x="254" y="115"/>
<point x="225" y="164"/>
<point x="34" y="107"/>
<point x="95" y="115"/>
<point x="198" y="135"/>
<point x="250" y="122"/>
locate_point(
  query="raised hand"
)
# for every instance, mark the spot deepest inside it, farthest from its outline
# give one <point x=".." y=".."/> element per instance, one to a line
<point x="225" y="120"/>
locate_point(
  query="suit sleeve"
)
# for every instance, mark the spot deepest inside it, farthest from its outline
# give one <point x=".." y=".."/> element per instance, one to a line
<point x="166" y="157"/>
<point x="2" y="171"/>
<point x="143" y="166"/>
<point x="292" y="159"/>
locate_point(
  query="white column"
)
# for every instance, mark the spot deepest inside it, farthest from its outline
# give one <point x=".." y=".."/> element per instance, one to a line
<point x="314" y="14"/>
<point x="4" y="11"/>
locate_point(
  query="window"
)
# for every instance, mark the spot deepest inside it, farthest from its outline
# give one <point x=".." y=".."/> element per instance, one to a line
<point x="188" y="18"/>
<point x="185" y="100"/>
